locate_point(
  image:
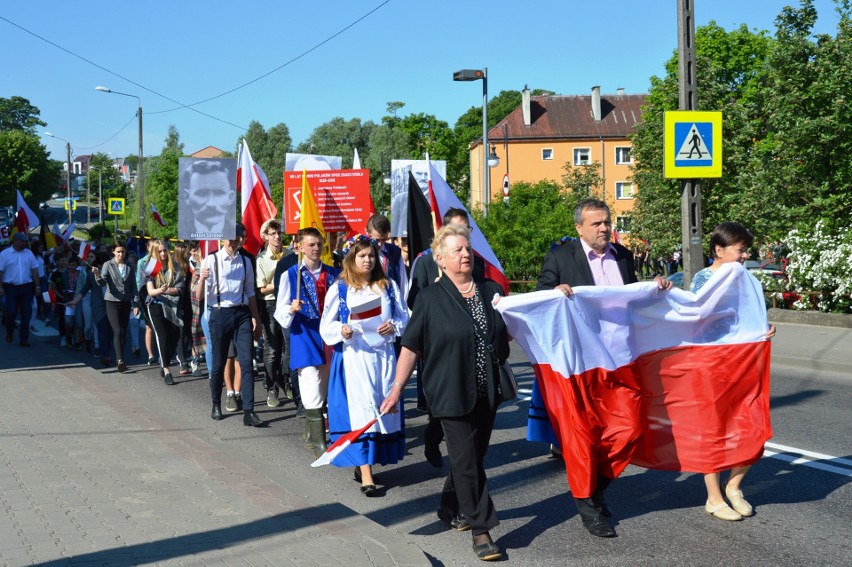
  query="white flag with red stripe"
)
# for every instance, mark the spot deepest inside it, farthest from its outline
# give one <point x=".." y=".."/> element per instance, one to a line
<point x="86" y="248"/>
<point x="667" y="380"/>
<point x="340" y="445"/>
<point x="257" y="206"/>
<point x="49" y="296"/>
<point x="156" y="214"/>
<point x="26" y="218"/>
<point x="442" y="196"/>
<point x="153" y="267"/>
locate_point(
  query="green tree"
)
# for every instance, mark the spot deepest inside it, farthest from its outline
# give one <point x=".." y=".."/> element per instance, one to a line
<point x="17" y="113"/>
<point x="112" y="184"/>
<point x="161" y="186"/>
<point x="731" y="67"/>
<point x="25" y="165"/>
<point x="523" y="229"/>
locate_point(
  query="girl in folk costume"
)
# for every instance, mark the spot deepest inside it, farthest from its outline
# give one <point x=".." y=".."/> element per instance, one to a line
<point x="364" y="313"/>
<point x="164" y="281"/>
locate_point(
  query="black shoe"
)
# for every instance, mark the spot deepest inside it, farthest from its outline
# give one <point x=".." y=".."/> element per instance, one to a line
<point x="455" y="521"/>
<point x="356" y="476"/>
<point x="169" y="380"/>
<point x="487" y="551"/>
<point x="369" y="490"/>
<point x="25" y="344"/>
<point x="216" y="413"/>
<point x="152" y="361"/>
<point x="122" y="367"/>
<point x="592" y="519"/>
<point x="599" y="527"/>
<point x="433" y="456"/>
<point x="135" y="351"/>
<point x="250" y="419"/>
<point x="598" y="496"/>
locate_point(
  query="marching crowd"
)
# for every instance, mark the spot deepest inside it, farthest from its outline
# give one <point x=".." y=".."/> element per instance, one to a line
<point x="340" y="340"/>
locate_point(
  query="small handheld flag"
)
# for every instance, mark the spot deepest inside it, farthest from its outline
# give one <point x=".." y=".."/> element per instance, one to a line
<point x="153" y="267"/>
<point x="340" y="445"/>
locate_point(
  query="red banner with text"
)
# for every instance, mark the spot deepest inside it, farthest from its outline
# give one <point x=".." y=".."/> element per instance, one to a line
<point x="342" y="197"/>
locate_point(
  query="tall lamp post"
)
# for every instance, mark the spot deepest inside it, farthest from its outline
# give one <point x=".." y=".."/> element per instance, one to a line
<point x="476" y="75"/>
<point x="67" y="175"/>
<point x="140" y="185"/>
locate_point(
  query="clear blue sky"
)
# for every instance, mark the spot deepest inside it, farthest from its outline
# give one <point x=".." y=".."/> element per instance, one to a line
<point x="402" y="51"/>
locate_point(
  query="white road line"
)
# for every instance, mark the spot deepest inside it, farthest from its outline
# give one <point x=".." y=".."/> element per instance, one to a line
<point x="803" y="457"/>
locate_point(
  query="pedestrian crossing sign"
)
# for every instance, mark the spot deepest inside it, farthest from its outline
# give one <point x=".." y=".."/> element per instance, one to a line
<point x="693" y="144"/>
<point x="115" y="206"/>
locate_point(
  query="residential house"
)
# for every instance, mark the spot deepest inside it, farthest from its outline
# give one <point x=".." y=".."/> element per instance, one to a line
<point x="537" y="139"/>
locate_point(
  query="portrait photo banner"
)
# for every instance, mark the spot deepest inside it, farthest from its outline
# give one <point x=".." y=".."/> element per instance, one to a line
<point x="207" y="197"/>
<point x="342" y="197"/>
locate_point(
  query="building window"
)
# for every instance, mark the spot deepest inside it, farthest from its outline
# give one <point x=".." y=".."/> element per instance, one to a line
<point x="547" y="153"/>
<point x="623" y="155"/>
<point x="582" y="156"/>
<point x="622" y="224"/>
<point x="623" y="190"/>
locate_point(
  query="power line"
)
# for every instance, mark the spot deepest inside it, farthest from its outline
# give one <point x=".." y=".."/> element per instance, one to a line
<point x="132" y="118"/>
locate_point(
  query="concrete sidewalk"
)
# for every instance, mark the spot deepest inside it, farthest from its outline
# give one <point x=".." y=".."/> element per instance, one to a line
<point x="89" y="475"/>
<point x="813" y="348"/>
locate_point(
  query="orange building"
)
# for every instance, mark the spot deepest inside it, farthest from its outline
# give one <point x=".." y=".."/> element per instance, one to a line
<point x="537" y="139"/>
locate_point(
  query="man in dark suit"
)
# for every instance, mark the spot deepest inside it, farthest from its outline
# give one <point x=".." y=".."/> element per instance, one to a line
<point x="591" y="260"/>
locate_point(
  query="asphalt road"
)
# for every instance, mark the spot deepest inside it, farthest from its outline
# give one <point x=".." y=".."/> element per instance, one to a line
<point x="803" y="512"/>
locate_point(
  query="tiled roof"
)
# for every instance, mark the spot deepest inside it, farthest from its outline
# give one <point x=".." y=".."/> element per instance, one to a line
<point x="560" y="117"/>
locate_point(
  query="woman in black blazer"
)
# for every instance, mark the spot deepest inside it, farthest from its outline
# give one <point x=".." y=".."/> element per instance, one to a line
<point x="120" y="297"/>
<point x="454" y="329"/>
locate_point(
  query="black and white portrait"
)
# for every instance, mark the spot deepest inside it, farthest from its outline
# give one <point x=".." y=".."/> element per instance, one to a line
<point x="207" y="199"/>
<point x="399" y="188"/>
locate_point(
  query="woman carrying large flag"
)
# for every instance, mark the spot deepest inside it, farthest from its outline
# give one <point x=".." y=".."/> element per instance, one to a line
<point x="364" y="313"/>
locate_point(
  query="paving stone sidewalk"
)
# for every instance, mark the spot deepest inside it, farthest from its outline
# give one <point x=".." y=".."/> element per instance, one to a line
<point x="89" y="476"/>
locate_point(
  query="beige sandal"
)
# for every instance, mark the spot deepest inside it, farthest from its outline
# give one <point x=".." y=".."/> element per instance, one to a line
<point x="723" y="512"/>
<point x="739" y="503"/>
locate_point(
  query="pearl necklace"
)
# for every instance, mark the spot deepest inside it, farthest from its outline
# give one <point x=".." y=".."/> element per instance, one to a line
<point x="468" y="290"/>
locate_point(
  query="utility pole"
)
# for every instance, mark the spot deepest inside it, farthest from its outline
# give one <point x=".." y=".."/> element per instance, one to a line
<point x="690" y="199"/>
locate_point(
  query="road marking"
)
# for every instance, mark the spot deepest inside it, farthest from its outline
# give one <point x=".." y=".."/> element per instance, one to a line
<point x="808" y="458"/>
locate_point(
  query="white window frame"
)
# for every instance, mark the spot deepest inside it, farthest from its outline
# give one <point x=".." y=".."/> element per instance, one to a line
<point x="619" y="190"/>
<point x="620" y="224"/>
<point x="576" y="156"/>
<point x="618" y="160"/>
<point x="546" y="158"/>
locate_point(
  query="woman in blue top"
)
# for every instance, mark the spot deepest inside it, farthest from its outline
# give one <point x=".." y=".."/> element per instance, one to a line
<point x="730" y="242"/>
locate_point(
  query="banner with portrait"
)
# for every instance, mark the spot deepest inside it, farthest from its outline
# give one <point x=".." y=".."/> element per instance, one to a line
<point x="207" y="197"/>
<point x="399" y="188"/>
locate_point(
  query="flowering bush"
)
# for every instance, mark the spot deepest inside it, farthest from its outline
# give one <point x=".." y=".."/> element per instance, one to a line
<point x="822" y="262"/>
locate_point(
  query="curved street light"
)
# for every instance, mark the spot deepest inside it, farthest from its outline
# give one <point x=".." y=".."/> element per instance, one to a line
<point x="140" y="185"/>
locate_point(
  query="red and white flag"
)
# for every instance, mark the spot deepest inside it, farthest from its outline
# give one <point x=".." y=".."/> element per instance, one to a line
<point x="156" y="214"/>
<point x="85" y="249"/>
<point x="66" y="234"/>
<point x="58" y="234"/>
<point x="49" y="296"/>
<point x="442" y="197"/>
<point x="257" y="206"/>
<point x="26" y="218"/>
<point x="153" y="267"/>
<point x="615" y="237"/>
<point x="667" y="380"/>
<point x="340" y="445"/>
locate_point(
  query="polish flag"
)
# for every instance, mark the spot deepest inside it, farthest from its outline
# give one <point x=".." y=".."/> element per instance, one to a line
<point x="26" y="218"/>
<point x="85" y="249"/>
<point x="257" y="206"/>
<point x="66" y="234"/>
<point x="441" y="198"/>
<point x="668" y="380"/>
<point x="340" y="445"/>
<point x="156" y="214"/>
<point x="49" y="296"/>
<point x="153" y="267"/>
<point x="615" y="237"/>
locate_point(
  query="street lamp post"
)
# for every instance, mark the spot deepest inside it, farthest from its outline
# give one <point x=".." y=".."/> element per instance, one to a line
<point x="386" y="181"/>
<point x="140" y="185"/>
<point x="67" y="175"/>
<point x="476" y="75"/>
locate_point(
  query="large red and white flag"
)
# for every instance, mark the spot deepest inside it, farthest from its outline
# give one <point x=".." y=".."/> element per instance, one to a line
<point x="667" y="380"/>
<point x="26" y="218"/>
<point x="442" y="197"/>
<point x="256" y="200"/>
